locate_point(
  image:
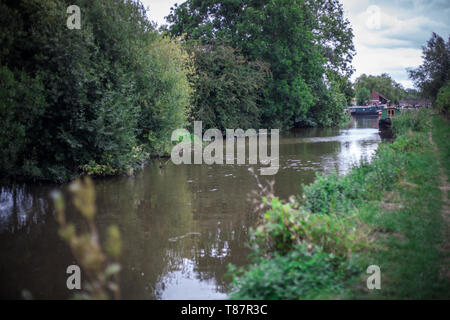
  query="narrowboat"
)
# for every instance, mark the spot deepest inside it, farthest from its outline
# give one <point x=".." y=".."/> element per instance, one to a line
<point x="385" y="117"/>
<point x="363" y="110"/>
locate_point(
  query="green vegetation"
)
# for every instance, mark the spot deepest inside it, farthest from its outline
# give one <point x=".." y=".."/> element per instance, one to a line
<point x="362" y="96"/>
<point x="386" y="212"/>
<point x="96" y="100"/>
<point x="295" y="275"/>
<point x="227" y="87"/>
<point x="102" y="99"/>
<point x="441" y="132"/>
<point x="433" y="74"/>
<point x="443" y="99"/>
<point x="307" y="44"/>
<point x="410" y="120"/>
<point x="383" y="84"/>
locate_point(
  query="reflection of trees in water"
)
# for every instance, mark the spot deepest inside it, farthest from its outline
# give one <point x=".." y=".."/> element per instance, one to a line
<point x="366" y="122"/>
<point x="221" y="211"/>
<point x="149" y="209"/>
<point x="32" y="256"/>
<point x="19" y="208"/>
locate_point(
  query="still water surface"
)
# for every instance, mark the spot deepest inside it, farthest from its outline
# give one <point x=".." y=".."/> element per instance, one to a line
<point x="181" y="225"/>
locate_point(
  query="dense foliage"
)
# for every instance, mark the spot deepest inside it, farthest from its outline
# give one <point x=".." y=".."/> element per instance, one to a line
<point x="308" y="45"/>
<point x="96" y="99"/>
<point x="443" y="99"/>
<point x="227" y="87"/>
<point x="297" y="275"/>
<point x="383" y="84"/>
<point x="362" y="96"/>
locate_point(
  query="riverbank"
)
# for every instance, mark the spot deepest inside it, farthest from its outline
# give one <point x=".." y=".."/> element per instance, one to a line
<point x="389" y="213"/>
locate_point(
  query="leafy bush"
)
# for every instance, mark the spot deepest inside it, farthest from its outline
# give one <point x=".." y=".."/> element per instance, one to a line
<point x="165" y="90"/>
<point x="298" y="275"/>
<point x="414" y="120"/>
<point x="363" y="96"/>
<point x="330" y="194"/>
<point x="227" y="87"/>
<point x="22" y="103"/>
<point x="284" y="227"/>
<point x="443" y="99"/>
<point x="329" y="109"/>
<point x="86" y="99"/>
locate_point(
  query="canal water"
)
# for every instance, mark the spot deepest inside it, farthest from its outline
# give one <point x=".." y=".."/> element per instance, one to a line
<point x="181" y="225"/>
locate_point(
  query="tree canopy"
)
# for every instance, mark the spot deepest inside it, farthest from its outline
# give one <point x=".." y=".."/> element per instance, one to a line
<point x="102" y="98"/>
<point x="363" y="96"/>
<point x="95" y="99"/>
<point x="308" y="45"/>
<point x="383" y="84"/>
<point x="433" y="74"/>
<point x="227" y="87"/>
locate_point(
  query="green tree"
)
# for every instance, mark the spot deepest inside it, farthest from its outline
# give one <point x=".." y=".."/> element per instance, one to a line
<point x="164" y="91"/>
<point x="227" y="87"/>
<point x="434" y="72"/>
<point x="383" y="84"/>
<point x="443" y="99"/>
<point x="300" y="40"/>
<point x="22" y="103"/>
<point x="411" y="93"/>
<point x="105" y="95"/>
<point x="363" y="96"/>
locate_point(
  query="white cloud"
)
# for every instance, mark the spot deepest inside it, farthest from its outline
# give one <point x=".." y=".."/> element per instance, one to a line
<point x="404" y="26"/>
<point x="159" y="9"/>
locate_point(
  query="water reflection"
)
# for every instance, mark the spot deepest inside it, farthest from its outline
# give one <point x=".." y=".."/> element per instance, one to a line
<point x="181" y="225"/>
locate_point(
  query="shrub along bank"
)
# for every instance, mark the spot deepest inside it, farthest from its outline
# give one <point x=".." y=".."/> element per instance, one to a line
<point x="385" y="213"/>
<point x="93" y="100"/>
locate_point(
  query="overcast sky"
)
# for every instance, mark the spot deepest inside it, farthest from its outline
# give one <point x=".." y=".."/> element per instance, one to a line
<point x="388" y="33"/>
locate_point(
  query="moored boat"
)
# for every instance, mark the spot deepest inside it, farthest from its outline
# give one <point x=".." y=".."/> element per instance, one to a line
<point x="364" y="110"/>
<point x="386" y="115"/>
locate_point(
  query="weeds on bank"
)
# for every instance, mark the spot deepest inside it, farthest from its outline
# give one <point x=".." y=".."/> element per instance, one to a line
<point x="441" y="134"/>
<point x="415" y="120"/>
<point x="385" y="212"/>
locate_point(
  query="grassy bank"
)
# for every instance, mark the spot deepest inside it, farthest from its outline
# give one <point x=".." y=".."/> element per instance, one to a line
<point x="385" y="213"/>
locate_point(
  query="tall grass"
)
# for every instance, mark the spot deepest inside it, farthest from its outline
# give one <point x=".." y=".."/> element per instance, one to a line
<point x="415" y="120"/>
<point x="386" y="212"/>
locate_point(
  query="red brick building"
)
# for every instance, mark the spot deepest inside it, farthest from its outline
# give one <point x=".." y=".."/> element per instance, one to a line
<point x="377" y="99"/>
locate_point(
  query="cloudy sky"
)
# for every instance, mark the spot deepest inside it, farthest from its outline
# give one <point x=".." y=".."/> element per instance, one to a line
<point x="388" y="33"/>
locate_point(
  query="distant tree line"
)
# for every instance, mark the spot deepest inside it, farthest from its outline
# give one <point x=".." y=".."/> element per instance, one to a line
<point x="431" y="78"/>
